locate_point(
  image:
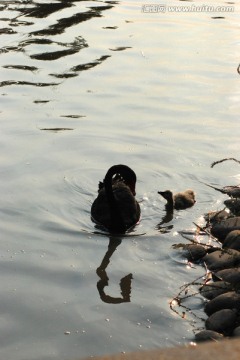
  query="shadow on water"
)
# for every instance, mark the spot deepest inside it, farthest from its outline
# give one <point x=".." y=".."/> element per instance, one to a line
<point x="125" y="282"/>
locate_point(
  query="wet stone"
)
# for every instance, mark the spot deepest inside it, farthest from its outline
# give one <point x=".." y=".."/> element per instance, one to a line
<point x="222" y="229"/>
<point x="214" y="217"/>
<point x="213" y="289"/>
<point x="231" y="276"/>
<point x="229" y="300"/>
<point x="208" y="335"/>
<point x="232" y="240"/>
<point x="233" y="205"/>
<point x="236" y="331"/>
<point x="222" y="321"/>
<point x="195" y="252"/>
<point x="222" y="259"/>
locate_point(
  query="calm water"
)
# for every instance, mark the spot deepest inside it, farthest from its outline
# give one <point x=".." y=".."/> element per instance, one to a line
<point x="85" y="85"/>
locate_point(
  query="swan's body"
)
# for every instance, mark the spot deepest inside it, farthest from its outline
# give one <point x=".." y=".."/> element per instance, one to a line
<point x="115" y="206"/>
<point x="178" y="201"/>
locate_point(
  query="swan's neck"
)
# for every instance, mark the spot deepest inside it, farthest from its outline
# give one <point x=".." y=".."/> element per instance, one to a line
<point x="170" y="203"/>
<point x="168" y="195"/>
<point x="117" y="223"/>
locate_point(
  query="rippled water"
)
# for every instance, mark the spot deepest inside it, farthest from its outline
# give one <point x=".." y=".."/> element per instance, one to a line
<point x="85" y="85"/>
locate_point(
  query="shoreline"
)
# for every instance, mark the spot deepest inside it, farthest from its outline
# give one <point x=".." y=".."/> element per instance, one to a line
<point x="228" y="349"/>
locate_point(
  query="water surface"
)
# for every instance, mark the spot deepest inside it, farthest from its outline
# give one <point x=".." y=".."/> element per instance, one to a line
<point x="85" y="85"/>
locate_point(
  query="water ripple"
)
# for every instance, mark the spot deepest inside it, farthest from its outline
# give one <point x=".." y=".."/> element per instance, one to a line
<point x="64" y="23"/>
<point x="43" y="10"/>
<point x="78" y="68"/>
<point x="7" y="31"/>
<point x="15" y="82"/>
<point x="21" y="67"/>
<point x="40" y="41"/>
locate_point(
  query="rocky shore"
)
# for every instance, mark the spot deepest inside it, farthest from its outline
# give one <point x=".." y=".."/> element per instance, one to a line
<point x="221" y="286"/>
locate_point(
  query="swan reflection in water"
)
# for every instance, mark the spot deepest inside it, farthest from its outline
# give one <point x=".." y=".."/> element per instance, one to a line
<point x="116" y="209"/>
<point x="125" y="282"/>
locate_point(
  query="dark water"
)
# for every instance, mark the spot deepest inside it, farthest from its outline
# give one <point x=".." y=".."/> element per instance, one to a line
<point x="85" y="85"/>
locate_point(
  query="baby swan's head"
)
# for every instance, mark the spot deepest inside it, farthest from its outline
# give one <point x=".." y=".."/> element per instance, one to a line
<point x="167" y="194"/>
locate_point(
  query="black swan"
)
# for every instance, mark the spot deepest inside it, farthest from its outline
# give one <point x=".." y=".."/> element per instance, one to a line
<point x="179" y="201"/>
<point x="115" y="206"/>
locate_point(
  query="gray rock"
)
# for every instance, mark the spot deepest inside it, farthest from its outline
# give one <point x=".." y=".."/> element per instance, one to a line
<point x="222" y="321"/>
<point x="232" y="240"/>
<point x="195" y="252"/>
<point x="222" y="229"/>
<point x="222" y="259"/>
<point x="213" y="289"/>
<point x="236" y="331"/>
<point x="208" y="335"/>
<point x="231" y="276"/>
<point x="233" y="205"/>
<point x="229" y="300"/>
<point x="214" y="217"/>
